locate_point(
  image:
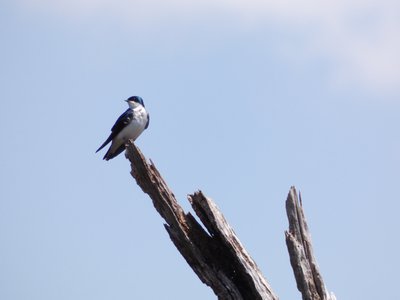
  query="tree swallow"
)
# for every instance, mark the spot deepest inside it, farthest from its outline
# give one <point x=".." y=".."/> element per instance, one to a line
<point x="128" y="126"/>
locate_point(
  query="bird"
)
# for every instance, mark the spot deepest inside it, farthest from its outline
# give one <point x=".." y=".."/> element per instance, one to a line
<point x="128" y="126"/>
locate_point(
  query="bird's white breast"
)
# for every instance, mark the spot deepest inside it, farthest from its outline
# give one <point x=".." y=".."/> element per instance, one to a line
<point x="135" y="127"/>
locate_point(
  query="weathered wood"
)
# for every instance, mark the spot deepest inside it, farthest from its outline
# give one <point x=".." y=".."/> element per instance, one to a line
<point x="298" y="240"/>
<point x="215" y="254"/>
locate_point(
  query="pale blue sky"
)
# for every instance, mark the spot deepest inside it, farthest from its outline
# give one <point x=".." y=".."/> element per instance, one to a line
<point x="246" y="99"/>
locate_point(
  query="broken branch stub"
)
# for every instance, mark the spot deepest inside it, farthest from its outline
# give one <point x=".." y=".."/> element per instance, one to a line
<point x="298" y="240"/>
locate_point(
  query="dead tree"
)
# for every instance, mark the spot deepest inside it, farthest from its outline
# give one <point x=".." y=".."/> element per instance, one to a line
<point x="215" y="253"/>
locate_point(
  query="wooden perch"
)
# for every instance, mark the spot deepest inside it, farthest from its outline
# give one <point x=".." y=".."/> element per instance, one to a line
<point x="213" y="250"/>
<point x="298" y="240"/>
<point x="215" y="254"/>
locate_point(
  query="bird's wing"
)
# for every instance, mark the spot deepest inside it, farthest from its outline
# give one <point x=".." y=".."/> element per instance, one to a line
<point x="148" y="121"/>
<point x="120" y="124"/>
<point x="122" y="121"/>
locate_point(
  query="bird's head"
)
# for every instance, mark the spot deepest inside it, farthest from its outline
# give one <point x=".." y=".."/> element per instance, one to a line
<point x="135" y="101"/>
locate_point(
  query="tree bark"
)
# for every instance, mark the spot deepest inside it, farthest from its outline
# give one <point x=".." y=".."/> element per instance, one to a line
<point x="215" y="254"/>
<point x="213" y="250"/>
<point x="298" y="240"/>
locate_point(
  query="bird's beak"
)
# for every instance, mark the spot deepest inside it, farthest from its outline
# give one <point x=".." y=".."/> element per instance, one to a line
<point x="126" y="100"/>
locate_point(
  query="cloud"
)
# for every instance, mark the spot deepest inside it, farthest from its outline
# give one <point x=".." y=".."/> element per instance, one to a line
<point x="360" y="39"/>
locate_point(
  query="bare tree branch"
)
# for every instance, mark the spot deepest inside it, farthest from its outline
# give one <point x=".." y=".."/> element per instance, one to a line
<point x="215" y="254"/>
<point x="298" y="240"/>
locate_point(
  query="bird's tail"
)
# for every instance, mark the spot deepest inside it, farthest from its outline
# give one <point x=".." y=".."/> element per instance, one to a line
<point x="111" y="154"/>
<point x="105" y="143"/>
